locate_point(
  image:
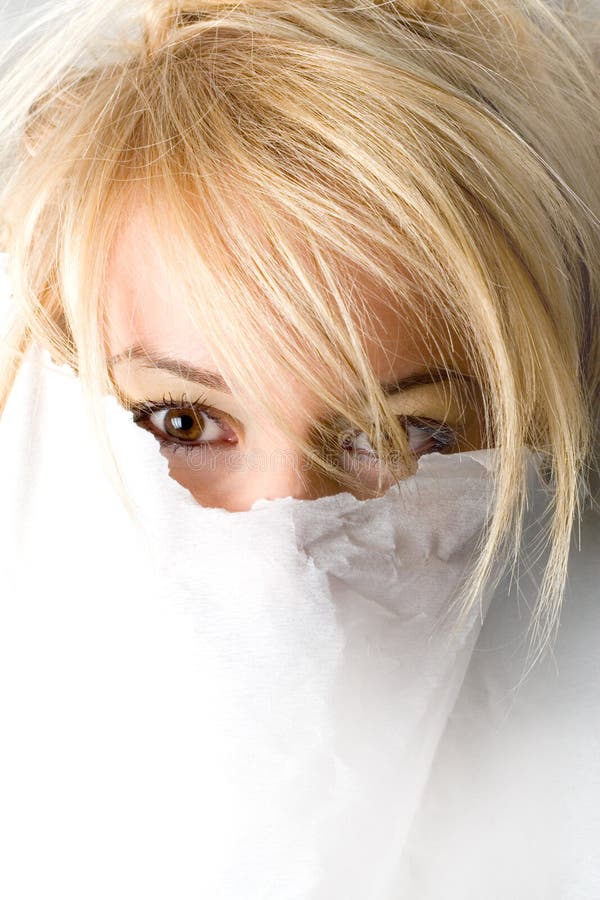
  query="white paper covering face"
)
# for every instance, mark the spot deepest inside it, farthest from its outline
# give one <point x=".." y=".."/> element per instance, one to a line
<point x="234" y="704"/>
<point x="224" y="705"/>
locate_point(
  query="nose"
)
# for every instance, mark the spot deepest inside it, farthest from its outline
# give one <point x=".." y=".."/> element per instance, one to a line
<point x="268" y="476"/>
<point x="284" y="475"/>
<point x="266" y="467"/>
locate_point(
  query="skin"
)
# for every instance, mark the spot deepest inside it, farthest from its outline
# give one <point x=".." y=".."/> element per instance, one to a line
<point x="236" y="464"/>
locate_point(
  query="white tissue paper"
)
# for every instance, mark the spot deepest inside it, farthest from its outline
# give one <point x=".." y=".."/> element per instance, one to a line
<point x="238" y="706"/>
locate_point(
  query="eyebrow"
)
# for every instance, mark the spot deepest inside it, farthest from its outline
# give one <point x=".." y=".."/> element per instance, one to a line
<point x="150" y="360"/>
<point x="213" y="380"/>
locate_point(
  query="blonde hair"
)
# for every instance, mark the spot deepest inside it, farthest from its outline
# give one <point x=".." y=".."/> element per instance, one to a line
<point x="449" y="149"/>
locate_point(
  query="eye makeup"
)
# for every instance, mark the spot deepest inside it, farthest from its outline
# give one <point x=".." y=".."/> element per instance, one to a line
<point x="433" y="413"/>
<point x="195" y="418"/>
<point x="208" y="427"/>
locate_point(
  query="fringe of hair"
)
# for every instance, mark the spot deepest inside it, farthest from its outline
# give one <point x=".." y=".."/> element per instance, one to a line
<point x="449" y="149"/>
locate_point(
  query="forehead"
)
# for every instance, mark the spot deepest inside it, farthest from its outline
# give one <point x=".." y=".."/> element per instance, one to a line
<point x="143" y="308"/>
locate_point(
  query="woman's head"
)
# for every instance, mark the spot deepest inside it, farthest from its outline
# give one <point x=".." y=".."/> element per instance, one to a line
<point x="315" y="199"/>
<point x="233" y="453"/>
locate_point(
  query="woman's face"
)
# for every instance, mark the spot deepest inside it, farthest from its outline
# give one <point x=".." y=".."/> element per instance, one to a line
<point x="224" y="456"/>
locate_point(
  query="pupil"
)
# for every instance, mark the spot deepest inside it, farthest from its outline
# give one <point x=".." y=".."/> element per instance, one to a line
<point x="177" y="421"/>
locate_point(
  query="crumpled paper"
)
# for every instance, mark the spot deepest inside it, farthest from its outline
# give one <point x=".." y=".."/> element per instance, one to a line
<point x="219" y="704"/>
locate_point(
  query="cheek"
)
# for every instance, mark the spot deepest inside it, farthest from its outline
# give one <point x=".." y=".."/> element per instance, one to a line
<point x="198" y="467"/>
<point x="212" y="477"/>
<point x="472" y="435"/>
<point x="230" y="478"/>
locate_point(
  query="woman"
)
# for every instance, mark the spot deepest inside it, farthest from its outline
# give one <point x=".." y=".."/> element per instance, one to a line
<point x="344" y="199"/>
<point x="333" y="237"/>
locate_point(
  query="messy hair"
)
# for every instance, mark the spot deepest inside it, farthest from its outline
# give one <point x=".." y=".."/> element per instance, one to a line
<point x="448" y="148"/>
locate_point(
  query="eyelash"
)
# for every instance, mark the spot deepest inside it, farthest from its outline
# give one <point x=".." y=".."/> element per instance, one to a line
<point x="143" y="410"/>
<point x="444" y="436"/>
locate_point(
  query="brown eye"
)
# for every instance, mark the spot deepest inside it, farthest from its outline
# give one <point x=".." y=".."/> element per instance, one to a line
<point x="183" y="424"/>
